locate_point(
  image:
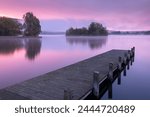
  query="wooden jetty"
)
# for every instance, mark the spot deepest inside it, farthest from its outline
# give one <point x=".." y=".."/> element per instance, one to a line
<point x="72" y="82"/>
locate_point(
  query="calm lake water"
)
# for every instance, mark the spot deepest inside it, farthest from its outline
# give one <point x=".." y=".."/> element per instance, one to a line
<point x="22" y="59"/>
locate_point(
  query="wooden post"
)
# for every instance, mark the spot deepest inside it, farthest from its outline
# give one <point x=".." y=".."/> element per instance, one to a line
<point x="125" y="62"/>
<point x="129" y="55"/>
<point x="120" y="63"/>
<point x="110" y="74"/>
<point x="133" y="53"/>
<point x="68" y="94"/>
<point x="125" y="59"/>
<point x="120" y="68"/>
<point x="96" y="84"/>
<point x="128" y="59"/>
<point x="110" y="80"/>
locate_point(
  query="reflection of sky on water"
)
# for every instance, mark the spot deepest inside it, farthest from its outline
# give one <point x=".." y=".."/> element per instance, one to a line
<point x="53" y="52"/>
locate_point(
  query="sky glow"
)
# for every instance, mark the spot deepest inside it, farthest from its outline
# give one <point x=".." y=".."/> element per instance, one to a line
<point x="58" y="15"/>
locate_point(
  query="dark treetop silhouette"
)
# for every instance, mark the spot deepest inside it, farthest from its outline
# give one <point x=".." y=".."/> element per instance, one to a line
<point x="31" y="25"/>
<point x="13" y="27"/>
<point x="9" y="26"/>
<point x="94" y="29"/>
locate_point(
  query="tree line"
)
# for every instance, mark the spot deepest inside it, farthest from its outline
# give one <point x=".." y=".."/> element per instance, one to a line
<point x="94" y="29"/>
<point x="12" y="27"/>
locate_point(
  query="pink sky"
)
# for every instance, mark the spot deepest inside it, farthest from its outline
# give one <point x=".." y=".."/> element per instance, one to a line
<point x="114" y="14"/>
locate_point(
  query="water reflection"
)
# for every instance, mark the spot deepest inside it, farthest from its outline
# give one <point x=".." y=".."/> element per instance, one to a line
<point x="32" y="46"/>
<point x="93" y="42"/>
<point x="8" y="46"/>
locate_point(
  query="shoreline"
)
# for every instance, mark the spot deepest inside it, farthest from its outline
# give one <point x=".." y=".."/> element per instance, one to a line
<point x="86" y="37"/>
<point x="21" y="37"/>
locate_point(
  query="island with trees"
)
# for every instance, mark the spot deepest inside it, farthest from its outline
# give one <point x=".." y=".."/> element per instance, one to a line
<point x="12" y="26"/>
<point x="94" y="29"/>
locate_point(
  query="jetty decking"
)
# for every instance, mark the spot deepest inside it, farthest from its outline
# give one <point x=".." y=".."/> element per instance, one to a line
<point x="77" y="78"/>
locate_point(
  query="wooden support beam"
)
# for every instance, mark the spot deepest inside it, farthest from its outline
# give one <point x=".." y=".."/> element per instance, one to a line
<point x="125" y="58"/>
<point x="120" y="63"/>
<point x="110" y="73"/>
<point x="96" y="84"/>
<point x="129" y="55"/>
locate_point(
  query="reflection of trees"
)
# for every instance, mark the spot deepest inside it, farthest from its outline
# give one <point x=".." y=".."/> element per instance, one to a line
<point x="93" y="41"/>
<point x="93" y="44"/>
<point x="9" y="45"/>
<point x="33" y="47"/>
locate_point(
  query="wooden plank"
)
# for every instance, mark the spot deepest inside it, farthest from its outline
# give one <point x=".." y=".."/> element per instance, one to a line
<point x="77" y="77"/>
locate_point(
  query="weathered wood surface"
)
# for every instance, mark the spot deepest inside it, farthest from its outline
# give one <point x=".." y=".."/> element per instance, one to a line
<point x="78" y="78"/>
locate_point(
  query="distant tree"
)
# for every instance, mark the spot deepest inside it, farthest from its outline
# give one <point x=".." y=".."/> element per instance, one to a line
<point x="70" y="31"/>
<point x="84" y="31"/>
<point x="31" y="25"/>
<point x="97" y="29"/>
<point x="9" y="27"/>
<point x="94" y="29"/>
